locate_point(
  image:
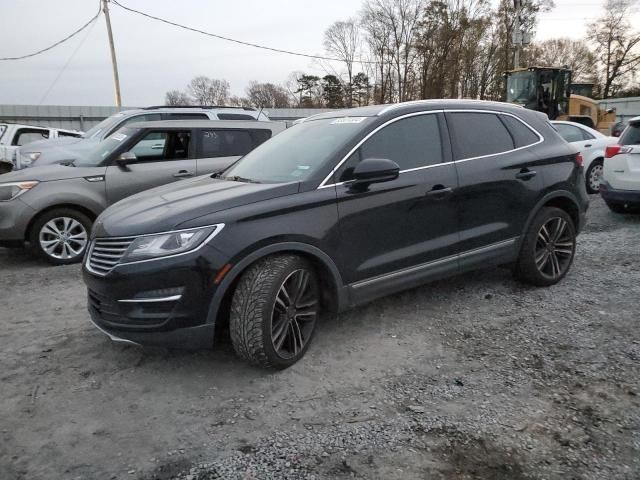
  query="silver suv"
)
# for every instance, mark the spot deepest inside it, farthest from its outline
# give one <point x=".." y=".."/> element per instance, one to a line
<point x="53" y="207"/>
<point x="65" y="150"/>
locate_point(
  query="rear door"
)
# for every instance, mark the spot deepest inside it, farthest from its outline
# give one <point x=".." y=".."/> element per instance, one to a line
<point x="623" y="170"/>
<point x="499" y="180"/>
<point x="394" y="232"/>
<point x="163" y="156"/>
<point x="218" y="148"/>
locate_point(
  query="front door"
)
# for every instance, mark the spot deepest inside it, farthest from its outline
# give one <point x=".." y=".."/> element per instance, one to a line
<point x="162" y="157"/>
<point x="402" y="231"/>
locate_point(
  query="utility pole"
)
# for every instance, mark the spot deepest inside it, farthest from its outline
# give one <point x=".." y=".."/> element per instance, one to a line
<point x="517" y="36"/>
<point x="114" y="63"/>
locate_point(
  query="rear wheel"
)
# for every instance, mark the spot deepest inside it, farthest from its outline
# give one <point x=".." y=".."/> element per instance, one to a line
<point x="274" y="311"/>
<point x="548" y="248"/>
<point x="593" y="176"/>
<point x="60" y="236"/>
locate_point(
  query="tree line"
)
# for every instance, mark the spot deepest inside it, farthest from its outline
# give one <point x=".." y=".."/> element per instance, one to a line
<point x="399" y="50"/>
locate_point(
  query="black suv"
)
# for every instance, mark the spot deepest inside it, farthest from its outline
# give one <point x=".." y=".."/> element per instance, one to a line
<point x="338" y="210"/>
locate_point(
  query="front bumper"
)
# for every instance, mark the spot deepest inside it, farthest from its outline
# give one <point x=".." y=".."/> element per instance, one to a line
<point x="15" y="216"/>
<point x="164" y="302"/>
<point x="619" y="196"/>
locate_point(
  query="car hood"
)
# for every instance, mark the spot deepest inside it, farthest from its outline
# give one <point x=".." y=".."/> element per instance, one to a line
<point x="50" y="173"/>
<point x="61" y="149"/>
<point x="166" y="208"/>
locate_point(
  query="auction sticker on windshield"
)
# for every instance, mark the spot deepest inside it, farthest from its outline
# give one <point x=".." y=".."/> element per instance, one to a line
<point x="348" y="120"/>
<point x="118" y="136"/>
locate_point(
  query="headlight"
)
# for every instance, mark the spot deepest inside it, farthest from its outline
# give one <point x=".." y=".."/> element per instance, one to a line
<point x="29" y="158"/>
<point x="169" y="243"/>
<point x="9" y="191"/>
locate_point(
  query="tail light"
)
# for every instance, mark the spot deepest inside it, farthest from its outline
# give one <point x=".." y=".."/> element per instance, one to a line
<point x="579" y="160"/>
<point x="616" y="149"/>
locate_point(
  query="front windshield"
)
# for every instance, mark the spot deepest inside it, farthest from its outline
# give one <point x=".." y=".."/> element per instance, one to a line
<point x="298" y="152"/>
<point x="101" y="151"/>
<point x="104" y="125"/>
<point x="521" y="87"/>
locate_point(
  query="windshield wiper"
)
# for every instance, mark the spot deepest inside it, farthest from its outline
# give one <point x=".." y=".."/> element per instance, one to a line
<point x="237" y="178"/>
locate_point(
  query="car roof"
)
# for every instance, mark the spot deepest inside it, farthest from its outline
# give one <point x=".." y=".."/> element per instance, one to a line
<point x="417" y="105"/>
<point x="225" y="124"/>
<point x="580" y="125"/>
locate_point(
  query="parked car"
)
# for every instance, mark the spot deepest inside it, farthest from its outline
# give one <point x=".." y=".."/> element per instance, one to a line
<point x="617" y="128"/>
<point x="340" y="209"/>
<point x="53" y="207"/>
<point x="14" y="135"/>
<point x="620" y="187"/>
<point x="591" y="144"/>
<point x="66" y="150"/>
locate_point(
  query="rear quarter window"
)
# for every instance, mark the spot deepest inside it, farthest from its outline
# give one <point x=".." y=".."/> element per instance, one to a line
<point x="522" y="134"/>
<point x="235" y="116"/>
<point x="631" y="135"/>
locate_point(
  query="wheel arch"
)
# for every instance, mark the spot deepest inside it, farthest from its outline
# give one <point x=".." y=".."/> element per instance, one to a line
<point x="334" y="294"/>
<point x="72" y="206"/>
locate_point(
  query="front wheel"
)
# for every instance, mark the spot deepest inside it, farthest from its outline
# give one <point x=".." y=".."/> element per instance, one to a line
<point x="548" y="248"/>
<point x="593" y="176"/>
<point x="274" y="311"/>
<point x="60" y="236"/>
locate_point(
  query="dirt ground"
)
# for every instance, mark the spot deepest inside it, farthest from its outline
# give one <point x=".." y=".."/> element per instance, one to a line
<point x="471" y="377"/>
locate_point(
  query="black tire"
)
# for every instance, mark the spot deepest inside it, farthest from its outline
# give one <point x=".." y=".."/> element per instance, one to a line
<point x="257" y="308"/>
<point x="593" y="184"/>
<point x="74" y="250"/>
<point x="543" y="263"/>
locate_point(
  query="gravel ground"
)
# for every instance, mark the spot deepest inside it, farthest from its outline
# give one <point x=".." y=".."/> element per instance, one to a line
<point x="471" y="377"/>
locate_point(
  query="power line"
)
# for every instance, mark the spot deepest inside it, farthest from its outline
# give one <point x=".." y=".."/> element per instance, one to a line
<point x="228" y="39"/>
<point x="94" y="21"/>
<point x="60" y="42"/>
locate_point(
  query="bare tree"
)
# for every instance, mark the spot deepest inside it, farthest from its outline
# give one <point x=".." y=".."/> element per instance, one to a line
<point x="176" y="98"/>
<point x="617" y="46"/>
<point x="342" y="40"/>
<point x="208" y="91"/>
<point x="267" y="95"/>
<point x="566" y="52"/>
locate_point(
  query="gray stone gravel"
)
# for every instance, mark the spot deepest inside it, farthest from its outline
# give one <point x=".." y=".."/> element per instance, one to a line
<point x="474" y="377"/>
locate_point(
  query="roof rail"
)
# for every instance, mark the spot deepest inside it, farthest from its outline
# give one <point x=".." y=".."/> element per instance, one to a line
<point x="208" y="107"/>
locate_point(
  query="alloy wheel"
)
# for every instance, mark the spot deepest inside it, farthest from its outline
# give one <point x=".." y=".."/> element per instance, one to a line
<point x="294" y="313"/>
<point x="63" y="238"/>
<point x="554" y="248"/>
<point x="594" y="177"/>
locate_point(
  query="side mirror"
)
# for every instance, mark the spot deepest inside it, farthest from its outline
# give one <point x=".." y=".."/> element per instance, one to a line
<point x="125" y="159"/>
<point x="375" y="170"/>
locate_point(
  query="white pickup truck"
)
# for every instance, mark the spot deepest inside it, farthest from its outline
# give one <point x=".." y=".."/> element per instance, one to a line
<point x="13" y="136"/>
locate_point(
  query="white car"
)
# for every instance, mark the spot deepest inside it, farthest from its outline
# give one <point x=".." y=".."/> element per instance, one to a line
<point x="13" y="136"/>
<point x="620" y="185"/>
<point x="592" y="145"/>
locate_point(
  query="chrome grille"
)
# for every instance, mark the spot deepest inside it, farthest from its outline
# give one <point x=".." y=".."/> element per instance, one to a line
<point x="105" y="253"/>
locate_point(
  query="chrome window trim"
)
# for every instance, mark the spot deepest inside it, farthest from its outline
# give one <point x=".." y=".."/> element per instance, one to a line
<point x="323" y="184"/>
<point x="495" y="112"/>
<point x="219" y="228"/>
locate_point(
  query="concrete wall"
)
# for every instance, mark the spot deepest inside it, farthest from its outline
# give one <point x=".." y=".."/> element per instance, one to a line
<point x="83" y="118"/>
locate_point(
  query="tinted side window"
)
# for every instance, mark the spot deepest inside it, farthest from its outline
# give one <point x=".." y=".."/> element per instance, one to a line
<point x="412" y="142"/>
<point x="569" y="132"/>
<point x="186" y="116"/>
<point x="260" y="136"/>
<point x="478" y="134"/>
<point x="235" y="116"/>
<point x="68" y="134"/>
<point x="225" y="143"/>
<point x="522" y="135"/>
<point x="631" y="135"/>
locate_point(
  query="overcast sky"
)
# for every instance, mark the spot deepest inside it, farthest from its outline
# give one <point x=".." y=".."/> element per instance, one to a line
<point x="155" y="57"/>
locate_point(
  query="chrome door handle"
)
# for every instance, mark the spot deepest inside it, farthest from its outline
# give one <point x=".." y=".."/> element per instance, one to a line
<point x="183" y="173"/>
<point x="526" y="174"/>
